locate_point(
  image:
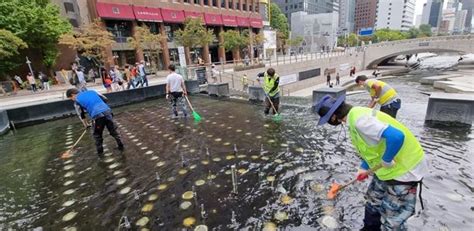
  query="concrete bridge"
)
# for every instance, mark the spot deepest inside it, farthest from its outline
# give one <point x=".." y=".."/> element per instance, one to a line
<point x="377" y="53"/>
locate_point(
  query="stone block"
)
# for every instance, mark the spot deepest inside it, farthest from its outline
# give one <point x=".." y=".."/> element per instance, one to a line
<point x="335" y="92"/>
<point x="256" y="93"/>
<point x="192" y="86"/>
<point x="4" y="122"/>
<point x="218" y="89"/>
<point x="455" y="108"/>
<point x="442" y="84"/>
<point x="430" y="80"/>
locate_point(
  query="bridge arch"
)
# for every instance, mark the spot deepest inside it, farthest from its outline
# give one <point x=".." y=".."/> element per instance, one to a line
<point x="376" y="53"/>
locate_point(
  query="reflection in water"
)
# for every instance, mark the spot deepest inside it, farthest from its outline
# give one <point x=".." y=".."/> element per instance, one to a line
<point x="176" y="173"/>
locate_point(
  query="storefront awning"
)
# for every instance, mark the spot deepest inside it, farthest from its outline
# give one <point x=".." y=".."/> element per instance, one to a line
<point x="229" y="20"/>
<point x="243" y="22"/>
<point x="147" y="14"/>
<point x="256" y="22"/>
<point x="115" y="11"/>
<point x="213" y="19"/>
<point x="190" y="14"/>
<point x="173" y="16"/>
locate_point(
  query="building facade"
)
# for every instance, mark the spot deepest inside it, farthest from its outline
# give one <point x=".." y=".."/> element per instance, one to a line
<point x="468" y="5"/>
<point x="319" y="31"/>
<point x="75" y="11"/>
<point x="432" y="13"/>
<point x="364" y="14"/>
<point x="395" y="14"/>
<point x="165" y="17"/>
<point x="309" y="6"/>
<point x="346" y="16"/>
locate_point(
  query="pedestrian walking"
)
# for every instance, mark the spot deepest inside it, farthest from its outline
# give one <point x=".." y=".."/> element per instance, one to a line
<point x="101" y="114"/>
<point x="31" y="81"/>
<point x="106" y="80"/>
<point x="45" y="81"/>
<point x="91" y="74"/>
<point x="338" y="78"/>
<point x="142" y="73"/>
<point x="118" y="79"/>
<point x="391" y="151"/>
<point x="245" y="83"/>
<point x="381" y="93"/>
<point x="271" y="87"/>
<point x="19" y="81"/>
<point x="328" y="79"/>
<point x="132" y="80"/>
<point x="126" y="76"/>
<point x="175" y="90"/>
<point x="81" y="83"/>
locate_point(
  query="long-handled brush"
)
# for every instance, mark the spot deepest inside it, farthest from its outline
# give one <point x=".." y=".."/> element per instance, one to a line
<point x="335" y="187"/>
<point x="277" y="116"/>
<point x="67" y="154"/>
<point x="196" y="116"/>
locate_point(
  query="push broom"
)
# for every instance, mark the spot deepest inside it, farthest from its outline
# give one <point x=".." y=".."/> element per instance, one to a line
<point x="196" y="116"/>
<point x="335" y="187"/>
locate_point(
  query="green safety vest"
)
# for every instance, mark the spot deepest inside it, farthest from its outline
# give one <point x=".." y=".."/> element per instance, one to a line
<point x="269" y="82"/>
<point x="387" y="93"/>
<point x="409" y="155"/>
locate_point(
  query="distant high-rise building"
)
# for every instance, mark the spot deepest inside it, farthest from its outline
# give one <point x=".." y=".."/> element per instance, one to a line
<point x="364" y="15"/>
<point x="418" y="20"/>
<point x="432" y="13"/>
<point x="395" y="14"/>
<point x="319" y="31"/>
<point x="346" y="15"/>
<point x="468" y="5"/>
<point x="308" y="6"/>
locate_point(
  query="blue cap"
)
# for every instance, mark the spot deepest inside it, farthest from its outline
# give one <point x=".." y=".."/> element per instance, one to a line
<point x="327" y="106"/>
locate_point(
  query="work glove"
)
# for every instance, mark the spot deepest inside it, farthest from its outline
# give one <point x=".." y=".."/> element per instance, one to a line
<point x="167" y="96"/>
<point x="362" y="174"/>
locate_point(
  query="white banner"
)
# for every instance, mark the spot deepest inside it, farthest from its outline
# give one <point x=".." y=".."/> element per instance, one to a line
<point x="182" y="56"/>
<point x="286" y="79"/>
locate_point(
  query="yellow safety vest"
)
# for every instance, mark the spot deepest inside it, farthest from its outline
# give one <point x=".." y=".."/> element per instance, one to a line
<point x="387" y="94"/>
<point x="409" y="155"/>
<point x="269" y="82"/>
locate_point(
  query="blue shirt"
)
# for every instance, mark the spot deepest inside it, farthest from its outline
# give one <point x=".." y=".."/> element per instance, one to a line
<point x="92" y="102"/>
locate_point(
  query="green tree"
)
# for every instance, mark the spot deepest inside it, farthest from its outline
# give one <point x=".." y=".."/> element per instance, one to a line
<point x="279" y="22"/>
<point x="91" y="41"/>
<point x="425" y="31"/>
<point x="233" y="40"/>
<point x="38" y="23"/>
<point x="413" y="33"/>
<point x="10" y="44"/>
<point x="194" y="34"/>
<point x="147" y="41"/>
<point x="387" y="35"/>
<point x="295" y="42"/>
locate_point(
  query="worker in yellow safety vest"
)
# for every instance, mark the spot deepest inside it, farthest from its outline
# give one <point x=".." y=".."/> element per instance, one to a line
<point x="271" y="82"/>
<point x="392" y="152"/>
<point x="381" y="93"/>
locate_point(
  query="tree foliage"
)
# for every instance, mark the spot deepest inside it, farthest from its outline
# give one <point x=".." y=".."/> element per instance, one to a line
<point x="147" y="41"/>
<point x="38" y="23"/>
<point x="91" y="40"/>
<point x="234" y="40"/>
<point x="278" y="21"/>
<point x="295" y="42"/>
<point x="10" y="44"/>
<point x="388" y="35"/>
<point x="425" y="30"/>
<point x="194" y="34"/>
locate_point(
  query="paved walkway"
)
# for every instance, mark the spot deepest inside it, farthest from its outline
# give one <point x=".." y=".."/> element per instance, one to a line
<point x="57" y="92"/>
<point x="344" y="79"/>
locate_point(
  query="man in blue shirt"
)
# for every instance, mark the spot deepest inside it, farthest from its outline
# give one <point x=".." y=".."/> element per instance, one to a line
<point x="99" y="111"/>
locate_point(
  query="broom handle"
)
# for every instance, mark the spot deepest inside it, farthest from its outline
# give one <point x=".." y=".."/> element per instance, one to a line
<point x="191" y="106"/>
<point x="354" y="180"/>
<point x="80" y="137"/>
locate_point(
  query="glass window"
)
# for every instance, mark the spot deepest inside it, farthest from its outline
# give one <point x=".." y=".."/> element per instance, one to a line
<point x="69" y="7"/>
<point x="154" y="28"/>
<point x="120" y="29"/>
<point x="170" y="29"/>
<point x="206" y="2"/>
<point x="231" y="4"/>
<point x="187" y="1"/>
<point x="244" y="6"/>
<point x="222" y="4"/>
<point x="214" y="2"/>
<point x="196" y="1"/>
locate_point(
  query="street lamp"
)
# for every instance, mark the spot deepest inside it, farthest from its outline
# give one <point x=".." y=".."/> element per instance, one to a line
<point x="29" y="65"/>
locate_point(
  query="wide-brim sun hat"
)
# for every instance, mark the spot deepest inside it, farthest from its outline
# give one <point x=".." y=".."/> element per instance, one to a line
<point x="327" y="106"/>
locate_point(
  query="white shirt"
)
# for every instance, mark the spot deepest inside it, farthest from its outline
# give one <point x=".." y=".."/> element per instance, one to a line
<point x="174" y="81"/>
<point x="371" y="129"/>
<point x="80" y="76"/>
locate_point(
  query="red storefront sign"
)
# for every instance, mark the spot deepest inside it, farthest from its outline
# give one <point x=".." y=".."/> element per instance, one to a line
<point x="115" y="11"/>
<point x="229" y="20"/>
<point x="147" y="14"/>
<point x="256" y="22"/>
<point x="213" y="19"/>
<point x="173" y="16"/>
<point x="243" y="22"/>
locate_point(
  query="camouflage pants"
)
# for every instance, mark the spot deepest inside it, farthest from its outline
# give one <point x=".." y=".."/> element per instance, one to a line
<point x="389" y="204"/>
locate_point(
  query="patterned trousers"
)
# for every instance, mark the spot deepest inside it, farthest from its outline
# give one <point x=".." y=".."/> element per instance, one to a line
<point x="389" y="204"/>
